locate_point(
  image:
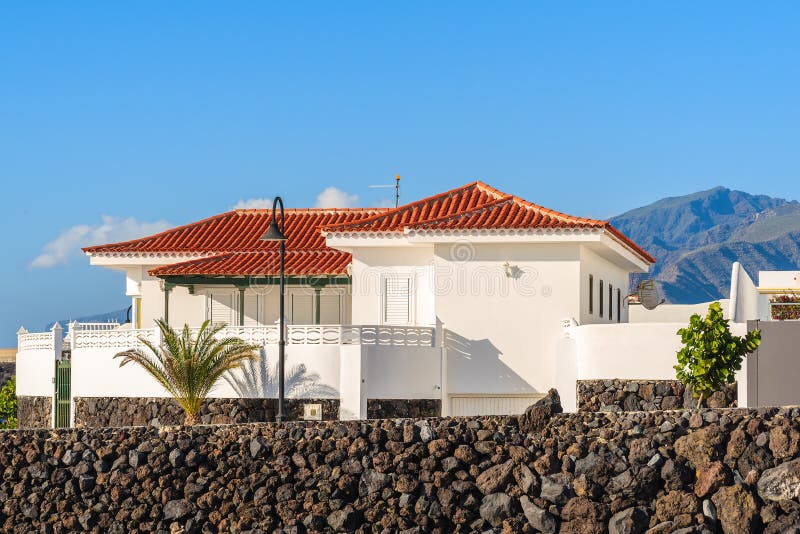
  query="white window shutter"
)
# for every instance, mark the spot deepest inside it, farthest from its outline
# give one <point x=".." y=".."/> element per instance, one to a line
<point x="223" y="307"/>
<point x="302" y="309"/>
<point x="397" y="305"/>
<point x="251" y="308"/>
<point x="330" y="308"/>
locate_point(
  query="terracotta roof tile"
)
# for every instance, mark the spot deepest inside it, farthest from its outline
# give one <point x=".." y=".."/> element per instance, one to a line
<point x="476" y="206"/>
<point x="451" y="202"/>
<point x="240" y="231"/>
<point x="264" y="263"/>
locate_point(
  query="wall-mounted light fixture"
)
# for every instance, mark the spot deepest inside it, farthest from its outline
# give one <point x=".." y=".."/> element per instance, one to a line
<point x="511" y="271"/>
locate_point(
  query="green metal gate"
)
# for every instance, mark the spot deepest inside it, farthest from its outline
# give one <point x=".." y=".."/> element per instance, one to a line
<point x="62" y="396"/>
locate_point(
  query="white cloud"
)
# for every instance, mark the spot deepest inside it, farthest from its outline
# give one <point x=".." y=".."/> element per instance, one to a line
<point x="252" y="203"/>
<point x="110" y="230"/>
<point x="333" y="197"/>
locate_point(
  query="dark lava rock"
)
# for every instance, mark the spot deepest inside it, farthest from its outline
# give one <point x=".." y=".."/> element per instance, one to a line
<point x="537" y="415"/>
<point x="736" y="509"/>
<point x="583" y="516"/>
<point x="700" y="447"/>
<point x="538" y="518"/>
<point x="555" y="488"/>
<point x="495" y="508"/>
<point x="343" y="520"/>
<point x="177" y="509"/>
<point x="495" y="478"/>
<point x="781" y="483"/>
<point x="629" y="521"/>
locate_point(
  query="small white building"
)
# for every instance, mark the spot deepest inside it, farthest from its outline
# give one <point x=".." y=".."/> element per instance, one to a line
<point x="457" y="301"/>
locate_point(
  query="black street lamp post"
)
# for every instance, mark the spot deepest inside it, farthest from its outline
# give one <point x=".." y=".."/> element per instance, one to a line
<point x="275" y="233"/>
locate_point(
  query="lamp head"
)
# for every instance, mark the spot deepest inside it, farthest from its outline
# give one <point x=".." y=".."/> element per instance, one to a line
<point x="273" y="233"/>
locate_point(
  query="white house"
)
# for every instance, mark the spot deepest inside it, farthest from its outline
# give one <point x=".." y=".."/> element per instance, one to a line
<point x="456" y="301"/>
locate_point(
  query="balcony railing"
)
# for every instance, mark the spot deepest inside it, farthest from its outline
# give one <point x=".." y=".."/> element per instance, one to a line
<point x="99" y="335"/>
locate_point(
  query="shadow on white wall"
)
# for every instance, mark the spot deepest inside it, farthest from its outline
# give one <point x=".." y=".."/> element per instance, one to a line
<point x="259" y="379"/>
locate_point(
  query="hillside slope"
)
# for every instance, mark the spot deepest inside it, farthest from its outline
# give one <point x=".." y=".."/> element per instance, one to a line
<point x="696" y="237"/>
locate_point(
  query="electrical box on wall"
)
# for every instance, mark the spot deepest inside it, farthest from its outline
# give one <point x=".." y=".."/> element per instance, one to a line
<point x="312" y="412"/>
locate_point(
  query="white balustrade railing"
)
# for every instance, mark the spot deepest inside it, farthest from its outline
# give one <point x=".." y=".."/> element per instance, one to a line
<point x="117" y="339"/>
<point x="317" y="334"/>
<point x="257" y="335"/>
<point x="402" y="336"/>
<point x="123" y="338"/>
<point x="113" y="325"/>
<point x="397" y="336"/>
<point x="36" y="341"/>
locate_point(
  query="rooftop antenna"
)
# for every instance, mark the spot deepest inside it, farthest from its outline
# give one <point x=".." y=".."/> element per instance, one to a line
<point x="396" y="189"/>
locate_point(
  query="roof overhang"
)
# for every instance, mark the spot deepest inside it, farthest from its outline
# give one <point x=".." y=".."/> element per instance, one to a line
<point x="602" y="241"/>
<point x="121" y="260"/>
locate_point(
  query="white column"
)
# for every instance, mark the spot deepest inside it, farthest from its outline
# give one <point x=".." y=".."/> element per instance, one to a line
<point x="58" y="340"/>
<point x="352" y="385"/>
<point x="444" y="389"/>
<point x="567" y="372"/>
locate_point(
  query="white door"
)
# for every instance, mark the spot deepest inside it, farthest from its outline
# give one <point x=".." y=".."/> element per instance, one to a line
<point x="469" y="405"/>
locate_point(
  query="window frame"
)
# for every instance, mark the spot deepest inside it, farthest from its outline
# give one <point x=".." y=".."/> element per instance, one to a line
<point x="411" y="298"/>
<point x="601" y="298"/>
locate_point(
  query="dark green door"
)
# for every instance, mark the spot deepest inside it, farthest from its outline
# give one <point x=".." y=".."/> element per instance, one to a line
<point x="63" y="396"/>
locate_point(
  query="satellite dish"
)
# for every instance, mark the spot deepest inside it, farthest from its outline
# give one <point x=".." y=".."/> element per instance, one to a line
<point x="648" y="294"/>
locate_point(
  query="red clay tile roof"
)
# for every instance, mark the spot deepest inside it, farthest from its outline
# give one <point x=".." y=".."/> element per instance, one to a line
<point x="231" y="245"/>
<point x="265" y="263"/>
<point x="476" y="206"/>
<point x="451" y="202"/>
<point x="240" y="231"/>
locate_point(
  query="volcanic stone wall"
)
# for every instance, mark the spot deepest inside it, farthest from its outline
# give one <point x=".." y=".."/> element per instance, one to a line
<point x="634" y="395"/>
<point x="391" y="408"/>
<point x="95" y="412"/>
<point x="34" y="412"/>
<point x="155" y="411"/>
<point x="724" y="470"/>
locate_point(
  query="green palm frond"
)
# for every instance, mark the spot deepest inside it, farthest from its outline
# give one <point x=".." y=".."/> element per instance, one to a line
<point x="189" y="366"/>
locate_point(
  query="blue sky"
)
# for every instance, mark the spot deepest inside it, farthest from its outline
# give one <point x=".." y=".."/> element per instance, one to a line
<point x="118" y="118"/>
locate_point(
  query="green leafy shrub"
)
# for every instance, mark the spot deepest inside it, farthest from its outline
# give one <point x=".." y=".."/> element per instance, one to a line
<point x="8" y="404"/>
<point x="711" y="355"/>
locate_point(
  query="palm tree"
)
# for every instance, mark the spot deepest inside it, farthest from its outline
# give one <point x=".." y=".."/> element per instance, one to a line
<point x="189" y="366"/>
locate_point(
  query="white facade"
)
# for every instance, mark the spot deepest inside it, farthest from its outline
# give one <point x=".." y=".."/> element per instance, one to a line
<point x="499" y="299"/>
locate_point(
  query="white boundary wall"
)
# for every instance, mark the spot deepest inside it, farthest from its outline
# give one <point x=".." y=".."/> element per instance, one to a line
<point x="352" y="363"/>
<point x="95" y="373"/>
<point x="644" y="351"/>
<point x="35" y="373"/>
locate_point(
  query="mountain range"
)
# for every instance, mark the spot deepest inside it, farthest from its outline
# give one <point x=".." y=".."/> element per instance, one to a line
<point x="695" y="238"/>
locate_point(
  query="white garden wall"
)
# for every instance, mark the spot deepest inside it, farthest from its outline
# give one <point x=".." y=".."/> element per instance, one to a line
<point x="35" y="371"/>
<point x="674" y="313"/>
<point x="646" y="351"/>
<point x="403" y="372"/>
<point x="95" y="373"/>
